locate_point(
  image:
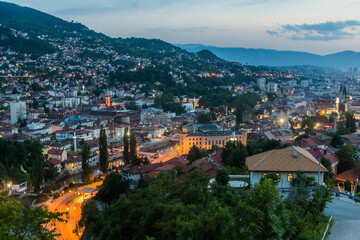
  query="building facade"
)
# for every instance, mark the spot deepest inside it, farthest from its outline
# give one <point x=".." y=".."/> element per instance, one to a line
<point x="206" y="139"/>
<point x="17" y="111"/>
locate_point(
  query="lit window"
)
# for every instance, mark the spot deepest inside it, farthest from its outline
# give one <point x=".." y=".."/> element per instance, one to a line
<point x="264" y="175"/>
<point x="290" y="177"/>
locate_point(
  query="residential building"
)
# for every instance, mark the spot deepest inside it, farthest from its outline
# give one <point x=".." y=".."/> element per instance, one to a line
<point x="286" y="163"/>
<point x="17" y="111"/>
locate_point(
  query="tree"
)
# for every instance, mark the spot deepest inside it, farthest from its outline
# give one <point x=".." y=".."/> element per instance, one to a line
<point x="348" y="157"/>
<point x="302" y="180"/>
<point x="272" y="176"/>
<point x="50" y="172"/>
<point x="292" y="124"/>
<point x="35" y="163"/>
<point x="350" y="122"/>
<point x="234" y="154"/>
<point x="308" y="124"/>
<point x="126" y="146"/>
<point x="194" y="154"/>
<point x="336" y="141"/>
<point x="327" y="164"/>
<point x="104" y="154"/>
<point x="16" y="222"/>
<point x="133" y="152"/>
<point x="222" y="177"/>
<point x="113" y="186"/>
<point x="87" y="174"/>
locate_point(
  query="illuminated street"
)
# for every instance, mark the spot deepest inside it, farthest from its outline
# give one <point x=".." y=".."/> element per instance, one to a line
<point x="70" y="203"/>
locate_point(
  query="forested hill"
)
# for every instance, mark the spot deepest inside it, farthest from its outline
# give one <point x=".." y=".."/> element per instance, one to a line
<point x="154" y="63"/>
<point x="34" y="21"/>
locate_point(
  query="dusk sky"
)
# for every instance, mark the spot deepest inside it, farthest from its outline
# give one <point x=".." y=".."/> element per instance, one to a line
<point x="317" y="26"/>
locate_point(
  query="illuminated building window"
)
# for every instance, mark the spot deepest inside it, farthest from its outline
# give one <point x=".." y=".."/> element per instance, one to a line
<point x="290" y="177"/>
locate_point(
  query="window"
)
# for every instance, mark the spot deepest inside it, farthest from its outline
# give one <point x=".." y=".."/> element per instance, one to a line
<point x="263" y="175"/>
<point x="278" y="174"/>
<point x="290" y="177"/>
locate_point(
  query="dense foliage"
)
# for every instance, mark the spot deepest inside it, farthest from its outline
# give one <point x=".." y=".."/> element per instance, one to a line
<point x="22" y="161"/>
<point x="18" y="223"/>
<point x="348" y="157"/>
<point x="104" y="153"/>
<point x="166" y="209"/>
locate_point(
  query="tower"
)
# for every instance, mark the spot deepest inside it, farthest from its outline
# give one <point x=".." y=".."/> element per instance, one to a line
<point x="74" y="137"/>
<point x="107" y="98"/>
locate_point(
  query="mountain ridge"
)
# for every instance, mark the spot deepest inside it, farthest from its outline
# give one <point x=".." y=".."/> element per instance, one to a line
<point x="275" y="58"/>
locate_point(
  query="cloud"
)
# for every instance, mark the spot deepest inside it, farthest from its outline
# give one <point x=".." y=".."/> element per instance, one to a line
<point x="321" y="31"/>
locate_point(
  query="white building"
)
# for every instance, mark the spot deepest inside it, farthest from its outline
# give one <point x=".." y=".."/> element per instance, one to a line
<point x="17" y="111"/>
<point x="272" y="87"/>
<point x="261" y="83"/>
<point x="285" y="163"/>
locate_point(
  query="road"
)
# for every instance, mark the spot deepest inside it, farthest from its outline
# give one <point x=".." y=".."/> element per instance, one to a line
<point x="346" y="214"/>
<point x="70" y="203"/>
<point x="166" y="155"/>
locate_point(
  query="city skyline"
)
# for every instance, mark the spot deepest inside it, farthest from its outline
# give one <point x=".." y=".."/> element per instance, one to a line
<point x="317" y="27"/>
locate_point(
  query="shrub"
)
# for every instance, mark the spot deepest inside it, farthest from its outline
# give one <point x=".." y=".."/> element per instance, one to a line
<point x="56" y="195"/>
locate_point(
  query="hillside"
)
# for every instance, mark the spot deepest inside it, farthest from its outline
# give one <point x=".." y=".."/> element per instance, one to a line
<point x="269" y="57"/>
<point x="34" y="21"/>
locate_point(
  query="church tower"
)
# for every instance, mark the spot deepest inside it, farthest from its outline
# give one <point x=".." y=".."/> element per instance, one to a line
<point x="107" y="98"/>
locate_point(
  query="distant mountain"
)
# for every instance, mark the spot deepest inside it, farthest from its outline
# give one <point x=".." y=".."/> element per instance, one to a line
<point x="269" y="57"/>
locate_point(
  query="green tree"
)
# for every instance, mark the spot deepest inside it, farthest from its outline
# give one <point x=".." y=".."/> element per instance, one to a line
<point x="113" y="186"/>
<point x="16" y="222"/>
<point x="126" y="146"/>
<point x="234" y="154"/>
<point x="222" y="177"/>
<point x="308" y="124"/>
<point x="336" y="141"/>
<point x="350" y="122"/>
<point x="194" y="154"/>
<point x="35" y="163"/>
<point x="87" y="174"/>
<point x="272" y="176"/>
<point x="133" y="152"/>
<point x="104" y="153"/>
<point x="348" y="158"/>
<point x="50" y="172"/>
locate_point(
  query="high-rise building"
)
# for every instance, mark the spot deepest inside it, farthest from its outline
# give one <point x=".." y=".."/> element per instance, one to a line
<point x="17" y="111"/>
<point x="261" y="83"/>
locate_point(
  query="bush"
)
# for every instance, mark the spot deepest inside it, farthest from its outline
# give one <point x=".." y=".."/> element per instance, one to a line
<point x="42" y="199"/>
<point x="56" y="195"/>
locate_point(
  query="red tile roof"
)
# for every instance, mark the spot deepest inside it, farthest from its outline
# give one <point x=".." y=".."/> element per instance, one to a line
<point x="54" y="161"/>
<point x="349" y="175"/>
<point x="55" y="151"/>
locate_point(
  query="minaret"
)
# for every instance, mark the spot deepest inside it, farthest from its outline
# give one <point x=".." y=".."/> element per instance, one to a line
<point x="74" y="137"/>
<point x="107" y="98"/>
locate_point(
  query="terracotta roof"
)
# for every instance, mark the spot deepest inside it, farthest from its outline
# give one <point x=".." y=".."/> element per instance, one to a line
<point x="143" y="168"/>
<point x="283" y="160"/>
<point x="55" y="151"/>
<point x="54" y="161"/>
<point x="165" y="167"/>
<point x="332" y="157"/>
<point x="349" y="175"/>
